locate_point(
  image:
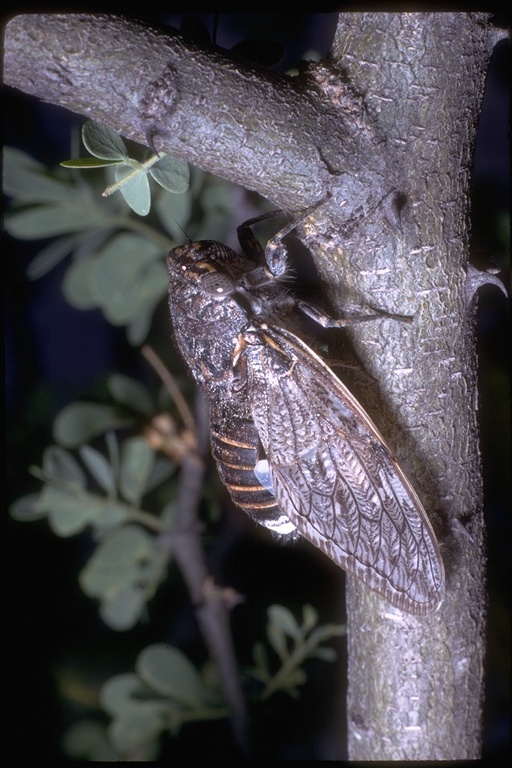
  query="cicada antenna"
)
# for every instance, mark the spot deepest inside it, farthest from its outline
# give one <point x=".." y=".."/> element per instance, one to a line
<point x="185" y="233"/>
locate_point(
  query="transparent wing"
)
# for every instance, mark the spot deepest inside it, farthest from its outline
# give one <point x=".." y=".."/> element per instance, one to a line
<point x="334" y="476"/>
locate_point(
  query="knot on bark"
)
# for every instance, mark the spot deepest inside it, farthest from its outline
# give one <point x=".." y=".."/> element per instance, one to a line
<point x="160" y="96"/>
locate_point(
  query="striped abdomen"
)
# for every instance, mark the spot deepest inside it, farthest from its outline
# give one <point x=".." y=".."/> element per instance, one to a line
<point x="236" y="449"/>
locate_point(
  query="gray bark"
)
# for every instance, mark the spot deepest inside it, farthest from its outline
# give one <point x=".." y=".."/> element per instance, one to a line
<point x="399" y="137"/>
<point x="415" y="686"/>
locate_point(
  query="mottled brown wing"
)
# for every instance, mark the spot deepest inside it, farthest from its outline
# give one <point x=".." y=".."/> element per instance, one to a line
<point x="333" y="475"/>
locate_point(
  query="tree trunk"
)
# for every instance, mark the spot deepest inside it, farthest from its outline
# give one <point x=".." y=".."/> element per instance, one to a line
<point x="415" y="685"/>
<point x="393" y="152"/>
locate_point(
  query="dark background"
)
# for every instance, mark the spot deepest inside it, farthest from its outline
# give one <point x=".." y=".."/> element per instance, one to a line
<point x="59" y="651"/>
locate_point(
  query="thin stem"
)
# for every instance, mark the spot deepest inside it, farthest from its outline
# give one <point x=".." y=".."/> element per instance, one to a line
<point x="211" y="607"/>
<point x="138" y="169"/>
<point x="294" y="660"/>
<point x="168" y="379"/>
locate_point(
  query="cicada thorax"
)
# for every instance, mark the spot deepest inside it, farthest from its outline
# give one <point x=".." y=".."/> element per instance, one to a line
<point x="211" y="297"/>
<point x="205" y="322"/>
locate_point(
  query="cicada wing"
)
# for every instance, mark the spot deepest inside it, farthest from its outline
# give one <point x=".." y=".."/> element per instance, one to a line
<point x="335" y="478"/>
<point x="364" y="528"/>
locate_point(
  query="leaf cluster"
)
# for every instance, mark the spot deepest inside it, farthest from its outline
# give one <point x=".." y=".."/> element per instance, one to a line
<point x="131" y="175"/>
<point x="293" y="643"/>
<point x="118" y="263"/>
<point x="104" y="491"/>
<point x="166" y="691"/>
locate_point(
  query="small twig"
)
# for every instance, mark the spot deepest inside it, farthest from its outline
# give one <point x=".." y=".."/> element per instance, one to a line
<point x="168" y="379"/>
<point x="184" y="541"/>
<point x="141" y="168"/>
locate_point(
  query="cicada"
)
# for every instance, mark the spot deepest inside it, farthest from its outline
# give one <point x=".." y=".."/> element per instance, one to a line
<point x="293" y="446"/>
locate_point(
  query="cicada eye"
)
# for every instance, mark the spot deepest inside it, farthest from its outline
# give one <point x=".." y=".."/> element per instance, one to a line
<point x="218" y="284"/>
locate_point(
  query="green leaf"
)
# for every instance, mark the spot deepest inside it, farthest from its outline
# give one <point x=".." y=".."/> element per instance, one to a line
<point x="73" y="214"/>
<point x="28" y="181"/>
<point x="137" y="731"/>
<point x="91" y="241"/>
<point x="99" y="467"/>
<point x="295" y="678"/>
<point x="136" y="191"/>
<point x="89" y="162"/>
<point x="112" y="444"/>
<point x="172" y="174"/>
<point x="284" y="619"/>
<point x="110" y="513"/>
<point x="152" y="291"/>
<point x="174" y="212"/>
<point x="211" y="679"/>
<point x="123" y="278"/>
<point x="326" y="631"/>
<point x="136" y="306"/>
<point x="122" y="692"/>
<point x="137" y="718"/>
<point x="124" y="564"/>
<point x="326" y="654"/>
<point x="216" y="196"/>
<point x="131" y="393"/>
<point x="61" y="465"/>
<point x="213" y="226"/>
<point x="103" y="142"/>
<point x="137" y="460"/>
<point x="82" y="244"/>
<point x="162" y="469"/>
<point x="310" y="617"/>
<point x="122" y="610"/>
<point x="138" y="328"/>
<point x="79" y="422"/>
<point x="78" y="284"/>
<point x="277" y="640"/>
<point x="50" y="256"/>
<point x="168" y="671"/>
<point x="169" y="513"/>
<point x="25" y="509"/>
<point x="116" y="561"/>
<point x="87" y="740"/>
<point x="68" y="513"/>
<point x="260" y="658"/>
<point x="120" y="572"/>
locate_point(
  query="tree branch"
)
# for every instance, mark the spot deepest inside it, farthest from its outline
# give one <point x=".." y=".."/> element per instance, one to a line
<point x="174" y="97"/>
<point x="184" y="541"/>
<point x="210" y="604"/>
<point x="290" y="139"/>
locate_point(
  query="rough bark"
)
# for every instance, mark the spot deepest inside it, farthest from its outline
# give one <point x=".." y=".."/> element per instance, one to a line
<point x="393" y="151"/>
<point x="415" y="686"/>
